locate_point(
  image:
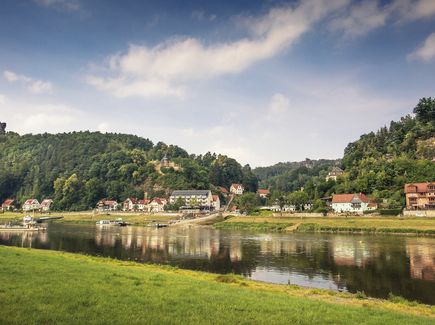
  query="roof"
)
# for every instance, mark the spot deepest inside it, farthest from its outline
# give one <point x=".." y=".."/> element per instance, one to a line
<point x="31" y="201"/>
<point x="418" y="187"/>
<point x="236" y="185"/>
<point x="223" y="189"/>
<point x="8" y="202"/>
<point x="191" y="192"/>
<point x="46" y="202"/>
<point x="132" y="199"/>
<point x="159" y="201"/>
<point x="144" y="201"/>
<point x="109" y="202"/>
<point x="263" y="191"/>
<point x="215" y="197"/>
<point x="349" y="198"/>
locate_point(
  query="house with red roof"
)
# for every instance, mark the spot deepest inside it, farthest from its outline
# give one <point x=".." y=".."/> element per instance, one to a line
<point x="236" y="189"/>
<point x="355" y="203"/>
<point x="107" y="205"/>
<point x="216" y="202"/>
<point x="142" y="205"/>
<point x="263" y="193"/>
<point x="8" y="205"/>
<point x="420" y="196"/>
<point x="31" y="205"/>
<point x="130" y="204"/>
<point x="46" y="204"/>
<point x="157" y="205"/>
<point x="223" y="190"/>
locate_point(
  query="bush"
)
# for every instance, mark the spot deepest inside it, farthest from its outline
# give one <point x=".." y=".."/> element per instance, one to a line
<point x="390" y="212"/>
<point x="361" y="295"/>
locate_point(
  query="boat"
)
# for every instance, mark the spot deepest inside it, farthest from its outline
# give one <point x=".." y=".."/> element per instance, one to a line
<point x="117" y="222"/>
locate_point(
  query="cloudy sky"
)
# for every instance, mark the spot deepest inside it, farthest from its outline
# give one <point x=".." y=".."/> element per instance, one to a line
<point x="261" y="81"/>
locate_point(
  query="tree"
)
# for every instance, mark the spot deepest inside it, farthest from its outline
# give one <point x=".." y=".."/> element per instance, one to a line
<point x="248" y="202"/>
<point x="298" y="199"/>
<point x="425" y="110"/>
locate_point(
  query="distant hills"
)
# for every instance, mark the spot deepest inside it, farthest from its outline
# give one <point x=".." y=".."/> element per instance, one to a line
<point x="79" y="168"/>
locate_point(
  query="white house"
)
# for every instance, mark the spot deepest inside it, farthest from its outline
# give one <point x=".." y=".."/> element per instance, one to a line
<point x="357" y="203"/>
<point x="157" y="205"/>
<point x="236" y="189"/>
<point x="46" y="204"/>
<point x="107" y="205"/>
<point x="130" y="204"/>
<point x="263" y="193"/>
<point x="334" y="173"/>
<point x="142" y="205"/>
<point x="31" y="205"/>
<point x="8" y="205"/>
<point x="216" y="204"/>
<point x="201" y="198"/>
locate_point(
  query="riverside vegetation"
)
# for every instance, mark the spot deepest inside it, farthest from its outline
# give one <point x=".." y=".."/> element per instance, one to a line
<point x="94" y="290"/>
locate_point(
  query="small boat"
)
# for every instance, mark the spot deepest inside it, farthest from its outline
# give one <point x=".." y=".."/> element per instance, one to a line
<point x="103" y="222"/>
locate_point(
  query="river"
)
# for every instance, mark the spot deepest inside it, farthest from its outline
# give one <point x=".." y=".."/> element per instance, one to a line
<point x="375" y="264"/>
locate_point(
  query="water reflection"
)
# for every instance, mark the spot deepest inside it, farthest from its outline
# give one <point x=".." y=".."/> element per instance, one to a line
<point x="375" y="264"/>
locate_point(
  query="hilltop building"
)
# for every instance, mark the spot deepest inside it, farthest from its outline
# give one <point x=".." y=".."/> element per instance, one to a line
<point x="356" y="203"/>
<point x="200" y="198"/>
<point x="2" y="128"/>
<point x="420" y="196"/>
<point x="334" y="173"/>
<point x="31" y="205"/>
<point x="236" y="189"/>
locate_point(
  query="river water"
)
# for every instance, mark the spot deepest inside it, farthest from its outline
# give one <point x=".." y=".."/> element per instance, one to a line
<point x="375" y="264"/>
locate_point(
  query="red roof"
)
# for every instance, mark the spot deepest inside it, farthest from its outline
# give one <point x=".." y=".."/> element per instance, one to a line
<point x="223" y="189"/>
<point x="159" y="200"/>
<point x="109" y="202"/>
<point x="418" y="187"/>
<point x="215" y="197"/>
<point x="8" y="203"/>
<point x="347" y="198"/>
<point x="144" y="201"/>
<point x="31" y="201"/>
<point x="46" y="202"/>
<point x="236" y="185"/>
<point x="263" y="191"/>
<point x="132" y="199"/>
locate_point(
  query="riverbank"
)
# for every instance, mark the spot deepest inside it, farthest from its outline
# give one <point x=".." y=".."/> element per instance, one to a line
<point x="89" y="217"/>
<point x="384" y="225"/>
<point x="41" y="287"/>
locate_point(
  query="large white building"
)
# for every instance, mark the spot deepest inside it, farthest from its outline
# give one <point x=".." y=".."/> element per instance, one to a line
<point x="31" y="205"/>
<point x="356" y="203"/>
<point x="201" y="198"/>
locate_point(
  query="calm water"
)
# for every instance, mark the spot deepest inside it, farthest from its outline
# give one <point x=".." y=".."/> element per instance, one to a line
<point x="376" y="265"/>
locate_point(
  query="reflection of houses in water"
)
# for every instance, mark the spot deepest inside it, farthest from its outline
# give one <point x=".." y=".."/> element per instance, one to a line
<point x="104" y="236"/>
<point x="347" y="251"/>
<point x="421" y="258"/>
<point x="24" y="238"/>
<point x="236" y="250"/>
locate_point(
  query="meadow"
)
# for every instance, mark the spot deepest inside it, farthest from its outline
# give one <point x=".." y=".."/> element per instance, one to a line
<point x="48" y="287"/>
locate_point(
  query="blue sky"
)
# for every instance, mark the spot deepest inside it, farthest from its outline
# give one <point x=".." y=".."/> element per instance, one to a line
<point x="261" y="81"/>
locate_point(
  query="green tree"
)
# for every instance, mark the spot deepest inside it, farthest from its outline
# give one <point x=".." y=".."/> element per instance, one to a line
<point x="298" y="199"/>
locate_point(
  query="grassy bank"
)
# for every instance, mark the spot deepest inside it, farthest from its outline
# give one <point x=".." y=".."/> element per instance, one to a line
<point x="89" y="217"/>
<point x="420" y="226"/>
<point x="47" y="287"/>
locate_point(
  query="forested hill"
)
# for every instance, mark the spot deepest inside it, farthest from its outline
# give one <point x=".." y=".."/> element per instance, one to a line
<point x="77" y="169"/>
<point x="291" y="176"/>
<point x="378" y="164"/>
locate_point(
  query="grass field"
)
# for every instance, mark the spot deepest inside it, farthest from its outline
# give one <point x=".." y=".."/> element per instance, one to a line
<point x="329" y="224"/>
<point x="48" y="287"/>
<point x="90" y="217"/>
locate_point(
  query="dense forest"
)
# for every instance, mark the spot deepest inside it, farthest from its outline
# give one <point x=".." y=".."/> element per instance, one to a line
<point x="77" y="169"/>
<point x="378" y="164"/>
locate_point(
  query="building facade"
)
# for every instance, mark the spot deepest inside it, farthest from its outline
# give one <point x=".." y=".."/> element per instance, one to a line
<point x="201" y="198"/>
<point x="46" y="205"/>
<point x="107" y="205"/>
<point x="236" y="189"/>
<point x="355" y="203"/>
<point x="263" y="193"/>
<point x="31" y="205"/>
<point x="420" y="196"/>
<point x="334" y="173"/>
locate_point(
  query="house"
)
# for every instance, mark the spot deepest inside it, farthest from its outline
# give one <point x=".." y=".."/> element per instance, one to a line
<point x="130" y="204"/>
<point x="334" y="173"/>
<point x="199" y="198"/>
<point x="223" y="190"/>
<point x="31" y="205"/>
<point x="420" y="196"/>
<point x="263" y="193"/>
<point x="142" y="205"/>
<point x="157" y="205"/>
<point x="45" y="205"/>
<point x="216" y="204"/>
<point x="8" y="205"/>
<point x="236" y="189"/>
<point x="107" y="205"/>
<point x="357" y="203"/>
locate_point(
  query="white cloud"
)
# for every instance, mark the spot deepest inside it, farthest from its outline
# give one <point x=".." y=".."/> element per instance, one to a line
<point x="426" y="51"/>
<point x="2" y="99"/>
<point x="104" y="127"/>
<point x="32" y="85"/>
<point x="360" y="19"/>
<point x="201" y="15"/>
<point x="68" y="5"/>
<point x="409" y="10"/>
<point x="164" y="69"/>
<point x="279" y="104"/>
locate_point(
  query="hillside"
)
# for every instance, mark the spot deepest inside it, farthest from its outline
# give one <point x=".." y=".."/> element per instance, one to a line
<point x="77" y="169"/>
<point x="378" y="164"/>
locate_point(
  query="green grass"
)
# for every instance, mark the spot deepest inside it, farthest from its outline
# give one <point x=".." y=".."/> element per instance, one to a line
<point x="364" y="224"/>
<point x="48" y="287"/>
<point x="261" y="226"/>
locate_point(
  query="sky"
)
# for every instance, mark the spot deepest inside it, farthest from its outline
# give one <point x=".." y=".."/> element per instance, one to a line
<point x="260" y="81"/>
